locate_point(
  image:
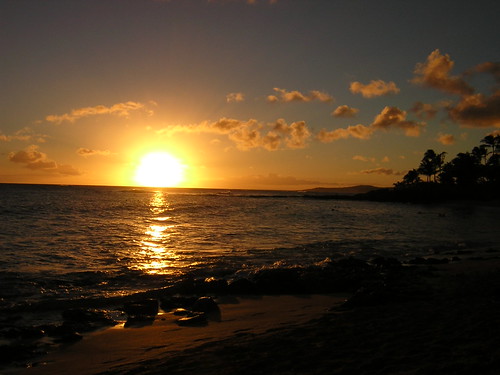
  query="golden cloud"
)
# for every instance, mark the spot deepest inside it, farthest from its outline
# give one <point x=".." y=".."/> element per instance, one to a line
<point x="119" y="109"/>
<point x="374" y="88"/>
<point x="251" y="133"/>
<point x="446" y="139"/>
<point x="285" y="96"/>
<point x="389" y="117"/>
<point x="235" y="97"/>
<point x="89" y="152"/>
<point x="435" y="73"/>
<point x="345" y="111"/>
<point x="36" y="160"/>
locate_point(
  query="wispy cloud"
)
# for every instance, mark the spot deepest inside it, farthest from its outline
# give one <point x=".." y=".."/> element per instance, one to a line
<point x="445" y="139"/>
<point x="285" y="96"/>
<point x="25" y="134"/>
<point x="388" y="118"/>
<point x="345" y="111"/>
<point x="89" y="152"/>
<point x="251" y="133"/>
<point x="119" y="109"/>
<point x="424" y="111"/>
<point x="374" y="88"/>
<point x="34" y="159"/>
<point x="235" y="97"/>
<point x="382" y="171"/>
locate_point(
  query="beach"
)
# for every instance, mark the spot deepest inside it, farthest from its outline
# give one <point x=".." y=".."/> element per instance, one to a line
<point x="434" y="317"/>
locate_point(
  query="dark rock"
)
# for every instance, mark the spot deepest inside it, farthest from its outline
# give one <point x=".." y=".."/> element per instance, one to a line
<point x="145" y="308"/>
<point x="63" y="333"/>
<point x="207" y="306"/>
<point x="26" y="333"/>
<point x="181" y="312"/>
<point x="242" y="286"/>
<point x="86" y="320"/>
<point x="193" y="321"/>
<point x="173" y="302"/>
<point x="278" y="280"/>
<point x="428" y="261"/>
<point x="216" y="286"/>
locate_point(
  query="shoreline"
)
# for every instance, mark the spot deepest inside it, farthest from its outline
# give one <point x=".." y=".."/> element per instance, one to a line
<point x="426" y="318"/>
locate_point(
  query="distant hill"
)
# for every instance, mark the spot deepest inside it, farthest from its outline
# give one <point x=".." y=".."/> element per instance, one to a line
<point x="350" y="190"/>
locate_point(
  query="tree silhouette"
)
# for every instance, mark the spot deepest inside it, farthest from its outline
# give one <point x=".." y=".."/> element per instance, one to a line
<point x="431" y="164"/>
<point x="493" y="142"/>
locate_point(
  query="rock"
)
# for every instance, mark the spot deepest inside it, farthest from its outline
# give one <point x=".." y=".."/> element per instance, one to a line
<point x="85" y="320"/>
<point x="146" y="308"/>
<point x="242" y="286"/>
<point x="173" y="302"/>
<point x="207" y="306"/>
<point x="278" y="280"/>
<point x="181" y="312"/>
<point x="193" y="321"/>
<point x="141" y="313"/>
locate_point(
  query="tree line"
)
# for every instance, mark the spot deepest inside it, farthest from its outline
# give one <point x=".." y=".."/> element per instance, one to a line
<point x="480" y="166"/>
<point x="469" y="175"/>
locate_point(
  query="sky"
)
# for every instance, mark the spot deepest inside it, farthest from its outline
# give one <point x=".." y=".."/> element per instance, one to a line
<point x="258" y="94"/>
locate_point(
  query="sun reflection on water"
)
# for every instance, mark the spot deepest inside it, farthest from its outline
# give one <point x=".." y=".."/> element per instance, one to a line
<point x="155" y="256"/>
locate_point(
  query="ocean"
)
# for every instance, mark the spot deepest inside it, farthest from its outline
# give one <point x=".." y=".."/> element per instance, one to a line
<point x="67" y="243"/>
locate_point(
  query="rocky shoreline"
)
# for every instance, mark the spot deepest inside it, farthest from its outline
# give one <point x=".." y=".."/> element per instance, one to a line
<point x="391" y="300"/>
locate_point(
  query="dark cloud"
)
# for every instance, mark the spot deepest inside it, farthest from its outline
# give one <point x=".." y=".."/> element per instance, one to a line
<point x="477" y="111"/>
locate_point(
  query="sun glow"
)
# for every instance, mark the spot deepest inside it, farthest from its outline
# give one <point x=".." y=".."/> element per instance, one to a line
<point x="159" y="169"/>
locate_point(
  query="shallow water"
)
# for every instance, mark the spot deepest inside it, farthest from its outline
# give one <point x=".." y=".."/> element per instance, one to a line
<point x="66" y="242"/>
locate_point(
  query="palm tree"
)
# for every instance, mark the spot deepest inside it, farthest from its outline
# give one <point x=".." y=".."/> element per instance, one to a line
<point x="493" y="142"/>
<point x="431" y="164"/>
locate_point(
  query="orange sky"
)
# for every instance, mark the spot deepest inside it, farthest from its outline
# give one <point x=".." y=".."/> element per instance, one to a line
<point x="245" y="94"/>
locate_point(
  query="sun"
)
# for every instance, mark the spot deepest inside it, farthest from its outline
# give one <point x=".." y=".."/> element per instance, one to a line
<point x="159" y="169"/>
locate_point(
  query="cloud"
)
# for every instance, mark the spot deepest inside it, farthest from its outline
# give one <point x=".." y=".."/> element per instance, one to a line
<point x="119" y="109"/>
<point x="393" y="117"/>
<point x="389" y="117"/>
<point x="477" y="111"/>
<point x="363" y="158"/>
<point x="357" y="131"/>
<point x="251" y="134"/>
<point x="277" y="180"/>
<point x="88" y="152"/>
<point x="345" y="111"/>
<point x="25" y="134"/>
<point x="446" y="139"/>
<point x="296" y="96"/>
<point x="235" y="97"/>
<point x="492" y="68"/>
<point x="383" y="171"/>
<point x="374" y="88"/>
<point x="424" y="111"/>
<point x="36" y="160"/>
<point x="435" y="73"/>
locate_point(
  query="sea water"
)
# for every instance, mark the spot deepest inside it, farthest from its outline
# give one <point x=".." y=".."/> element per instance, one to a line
<point x="60" y="243"/>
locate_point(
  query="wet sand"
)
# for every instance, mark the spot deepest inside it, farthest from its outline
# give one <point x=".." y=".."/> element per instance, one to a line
<point x="435" y="319"/>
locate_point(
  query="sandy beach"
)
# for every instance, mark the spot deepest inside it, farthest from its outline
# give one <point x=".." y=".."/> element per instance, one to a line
<point x="431" y="318"/>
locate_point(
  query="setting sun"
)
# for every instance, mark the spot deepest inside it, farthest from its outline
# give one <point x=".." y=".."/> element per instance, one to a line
<point x="159" y="169"/>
